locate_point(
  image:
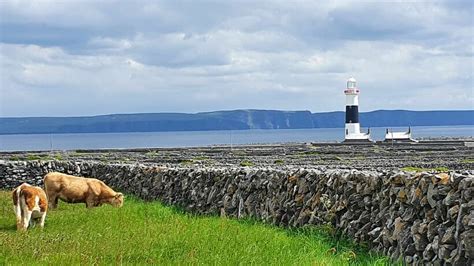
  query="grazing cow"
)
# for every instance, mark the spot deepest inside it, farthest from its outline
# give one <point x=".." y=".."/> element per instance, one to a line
<point x="29" y="203"/>
<point x="74" y="189"/>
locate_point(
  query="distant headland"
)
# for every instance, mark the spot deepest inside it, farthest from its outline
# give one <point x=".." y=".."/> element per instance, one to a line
<point x="228" y="120"/>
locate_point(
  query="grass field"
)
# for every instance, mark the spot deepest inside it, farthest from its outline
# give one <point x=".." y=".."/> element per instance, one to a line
<point x="150" y="233"/>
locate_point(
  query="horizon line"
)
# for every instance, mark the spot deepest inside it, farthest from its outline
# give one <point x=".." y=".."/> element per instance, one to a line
<point x="228" y="110"/>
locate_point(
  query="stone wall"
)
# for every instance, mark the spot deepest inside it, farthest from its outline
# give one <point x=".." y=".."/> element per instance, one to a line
<point x="422" y="218"/>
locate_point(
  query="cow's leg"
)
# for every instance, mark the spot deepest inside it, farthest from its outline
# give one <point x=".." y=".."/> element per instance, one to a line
<point x="26" y="218"/>
<point x="91" y="201"/>
<point x="17" y="208"/>
<point x="25" y="213"/>
<point x="43" y="217"/>
<point x="89" y="204"/>
<point x="19" y="219"/>
<point x="53" y="201"/>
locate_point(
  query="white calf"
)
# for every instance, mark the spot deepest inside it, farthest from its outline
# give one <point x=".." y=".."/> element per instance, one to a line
<point x="29" y="202"/>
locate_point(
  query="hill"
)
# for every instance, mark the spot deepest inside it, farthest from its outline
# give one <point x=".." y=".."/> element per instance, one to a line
<point x="226" y="120"/>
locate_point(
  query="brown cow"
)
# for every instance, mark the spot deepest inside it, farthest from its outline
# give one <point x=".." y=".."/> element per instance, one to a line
<point x="74" y="189"/>
<point x="29" y="203"/>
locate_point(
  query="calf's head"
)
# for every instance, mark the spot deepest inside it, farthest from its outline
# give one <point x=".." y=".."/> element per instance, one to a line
<point x="117" y="200"/>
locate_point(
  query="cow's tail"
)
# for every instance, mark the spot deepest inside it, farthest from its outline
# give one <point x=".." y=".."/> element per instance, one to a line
<point x="45" y="184"/>
<point x="16" y="197"/>
<point x="17" y="203"/>
<point x="22" y="194"/>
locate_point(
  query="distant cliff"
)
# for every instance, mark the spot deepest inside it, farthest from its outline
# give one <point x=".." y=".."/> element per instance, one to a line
<point x="397" y="118"/>
<point x="226" y="120"/>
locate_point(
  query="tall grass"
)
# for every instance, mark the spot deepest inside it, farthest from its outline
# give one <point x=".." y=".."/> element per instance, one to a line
<point x="150" y="233"/>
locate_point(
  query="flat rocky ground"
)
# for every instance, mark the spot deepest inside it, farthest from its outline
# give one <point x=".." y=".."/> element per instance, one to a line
<point x="427" y="155"/>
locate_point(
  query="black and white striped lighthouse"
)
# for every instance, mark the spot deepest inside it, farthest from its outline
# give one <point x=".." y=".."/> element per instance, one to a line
<point x="352" y="113"/>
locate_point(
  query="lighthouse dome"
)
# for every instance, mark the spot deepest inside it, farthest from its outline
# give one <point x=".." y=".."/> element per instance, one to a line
<point x="351" y="83"/>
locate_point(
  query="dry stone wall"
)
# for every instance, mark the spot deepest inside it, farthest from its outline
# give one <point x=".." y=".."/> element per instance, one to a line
<point x="420" y="218"/>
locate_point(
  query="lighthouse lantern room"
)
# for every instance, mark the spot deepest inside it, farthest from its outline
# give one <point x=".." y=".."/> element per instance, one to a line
<point x="352" y="129"/>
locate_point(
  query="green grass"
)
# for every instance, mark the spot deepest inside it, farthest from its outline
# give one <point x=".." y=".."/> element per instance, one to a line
<point x="200" y="158"/>
<point x="309" y="153"/>
<point x="151" y="154"/>
<point x="246" y="163"/>
<point x="186" y="162"/>
<point x="150" y="233"/>
<point x="34" y="157"/>
<point x="104" y="157"/>
<point x="41" y="157"/>
<point x="15" y="158"/>
<point x="468" y="160"/>
<point x="419" y="169"/>
<point x="57" y="157"/>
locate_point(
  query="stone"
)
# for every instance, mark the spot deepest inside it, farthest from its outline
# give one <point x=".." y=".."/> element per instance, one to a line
<point x="444" y="251"/>
<point x="410" y="249"/>
<point x="432" y="230"/>
<point x="375" y="232"/>
<point x="398" y="179"/>
<point x="452" y="197"/>
<point x="442" y="178"/>
<point x="409" y="214"/>
<point x="417" y="195"/>
<point x="292" y="179"/>
<point x="399" y="225"/>
<point x="416" y="259"/>
<point x="467" y="242"/>
<point x="428" y="253"/>
<point x="423" y="228"/>
<point x="408" y="259"/>
<point x="448" y="236"/>
<point x="453" y="213"/>
<point x="430" y="194"/>
<point x="420" y="242"/>
<point x="402" y="196"/>
<point x="299" y="199"/>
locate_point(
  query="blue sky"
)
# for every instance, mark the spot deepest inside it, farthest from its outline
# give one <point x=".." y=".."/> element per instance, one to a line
<point x="62" y="58"/>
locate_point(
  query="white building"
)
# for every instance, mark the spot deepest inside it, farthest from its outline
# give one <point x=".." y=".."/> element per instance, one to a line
<point x="391" y="136"/>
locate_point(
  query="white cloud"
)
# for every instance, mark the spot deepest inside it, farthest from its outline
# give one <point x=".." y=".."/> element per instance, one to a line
<point x="83" y="57"/>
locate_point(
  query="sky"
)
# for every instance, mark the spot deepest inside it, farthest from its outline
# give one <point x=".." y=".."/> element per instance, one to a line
<point x="77" y="58"/>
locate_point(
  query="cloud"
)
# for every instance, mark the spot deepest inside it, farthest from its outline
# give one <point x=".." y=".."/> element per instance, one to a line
<point x="85" y="57"/>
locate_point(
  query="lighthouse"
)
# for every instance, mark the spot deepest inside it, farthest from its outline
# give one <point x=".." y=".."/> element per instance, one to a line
<point x="352" y="132"/>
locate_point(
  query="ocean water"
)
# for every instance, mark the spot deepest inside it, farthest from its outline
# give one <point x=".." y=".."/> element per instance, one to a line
<point x="35" y="142"/>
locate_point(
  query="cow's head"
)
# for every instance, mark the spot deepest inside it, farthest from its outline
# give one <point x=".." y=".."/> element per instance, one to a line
<point x="117" y="200"/>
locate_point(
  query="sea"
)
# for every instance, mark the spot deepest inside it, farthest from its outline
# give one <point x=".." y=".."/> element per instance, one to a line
<point x="46" y="142"/>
